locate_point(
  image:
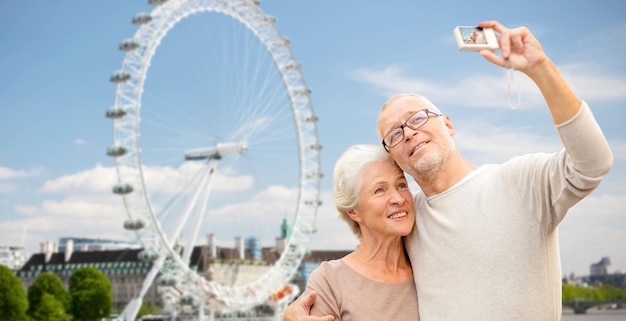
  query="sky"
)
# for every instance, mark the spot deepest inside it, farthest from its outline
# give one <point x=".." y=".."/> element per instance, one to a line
<point x="56" y="59"/>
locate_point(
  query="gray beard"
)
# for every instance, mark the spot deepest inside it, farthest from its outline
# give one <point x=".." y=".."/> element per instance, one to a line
<point x="431" y="165"/>
<point x="426" y="169"/>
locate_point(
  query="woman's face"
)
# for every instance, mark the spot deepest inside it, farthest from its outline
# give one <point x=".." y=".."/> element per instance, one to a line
<point x="385" y="207"/>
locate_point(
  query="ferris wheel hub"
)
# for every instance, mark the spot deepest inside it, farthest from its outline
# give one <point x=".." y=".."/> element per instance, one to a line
<point x="217" y="151"/>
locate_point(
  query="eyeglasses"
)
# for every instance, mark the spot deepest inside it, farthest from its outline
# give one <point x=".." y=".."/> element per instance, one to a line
<point x="417" y="120"/>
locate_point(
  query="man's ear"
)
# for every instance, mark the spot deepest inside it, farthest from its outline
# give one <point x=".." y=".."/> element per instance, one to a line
<point x="448" y="123"/>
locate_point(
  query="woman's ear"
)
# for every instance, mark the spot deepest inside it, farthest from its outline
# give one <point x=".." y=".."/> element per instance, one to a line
<point x="353" y="215"/>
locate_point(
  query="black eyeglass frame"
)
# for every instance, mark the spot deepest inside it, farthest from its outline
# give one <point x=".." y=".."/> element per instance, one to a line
<point x="401" y="127"/>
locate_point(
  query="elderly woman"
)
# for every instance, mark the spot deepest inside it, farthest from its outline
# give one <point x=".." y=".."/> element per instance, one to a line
<point x="375" y="281"/>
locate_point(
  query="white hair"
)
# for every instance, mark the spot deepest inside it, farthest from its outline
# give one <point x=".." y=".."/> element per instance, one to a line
<point x="347" y="178"/>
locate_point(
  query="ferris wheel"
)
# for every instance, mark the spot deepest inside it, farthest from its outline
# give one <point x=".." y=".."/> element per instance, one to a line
<point x="214" y="133"/>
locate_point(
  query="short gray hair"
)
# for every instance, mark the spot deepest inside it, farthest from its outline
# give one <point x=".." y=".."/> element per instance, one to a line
<point x="391" y="100"/>
<point x="347" y="178"/>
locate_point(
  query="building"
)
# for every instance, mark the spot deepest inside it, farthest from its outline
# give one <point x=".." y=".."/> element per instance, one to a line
<point x="232" y="266"/>
<point x="90" y="244"/>
<point x="13" y="256"/>
<point x="601" y="268"/>
<point x="602" y="273"/>
<point x="311" y="261"/>
<point x="125" y="272"/>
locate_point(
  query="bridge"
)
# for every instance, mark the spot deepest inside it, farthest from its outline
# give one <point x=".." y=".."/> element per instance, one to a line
<point x="580" y="306"/>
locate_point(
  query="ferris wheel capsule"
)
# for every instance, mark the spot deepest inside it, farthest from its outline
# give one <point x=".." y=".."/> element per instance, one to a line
<point x="134" y="224"/>
<point x="281" y="42"/>
<point x="187" y="299"/>
<point x="129" y="45"/>
<point x="292" y="65"/>
<point x="269" y="20"/>
<point x="166" y="280"/>
<point x="302" y="91"/>
<point x="254" y="2"/>
<point x="120" y="77"/>
<point x="148" y="255"/>
<point x="156" y="2"/>
<point x="122" y="189"/>
<point x="116" y="150"/>
<point x="311" y="119"/>
<point x="315" y="147"/>
<point x="142" y="19"/>
<point x="115" y="112"/>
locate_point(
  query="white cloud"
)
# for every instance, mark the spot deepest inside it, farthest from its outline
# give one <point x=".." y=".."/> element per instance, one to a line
<point x="94" y="216"/>
<point x="8" y="173"/>
<point x="98" y="179"/>
<point x="173" y="180"/>
<point x="79" y="141"/>
<point x="495" y="89"/>
<point x="592" y="229"/>
<point x="480" y="91"/>
<point x="332" y="232"/>
<point x="6" y="188"/>
<point x="593" y="85"/>
<point x="83" y="205"/>
<point x="486" y="143"/>
<point x="618" y="147"/>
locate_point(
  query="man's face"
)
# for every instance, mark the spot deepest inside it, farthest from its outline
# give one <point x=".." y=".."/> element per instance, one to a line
<point x="421" y="150"/>
<point x="474" y="35"/>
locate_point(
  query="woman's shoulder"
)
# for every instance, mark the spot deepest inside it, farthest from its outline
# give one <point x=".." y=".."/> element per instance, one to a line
<point x="332" y="265"/>
<point x="333" y="269"/>
<point x="328" y="272"/>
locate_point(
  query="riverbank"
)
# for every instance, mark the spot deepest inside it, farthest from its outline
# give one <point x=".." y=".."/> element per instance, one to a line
<point x="595" y="314"/>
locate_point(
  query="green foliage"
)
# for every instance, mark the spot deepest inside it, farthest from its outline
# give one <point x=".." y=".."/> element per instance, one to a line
<point x="148" y="309"/>
<point x="601" y="293"/>
<point x="13" y="302"/>
<point x="49" y="308"/>
<point x="47" y="284"/>
<point x="91" y="296"/>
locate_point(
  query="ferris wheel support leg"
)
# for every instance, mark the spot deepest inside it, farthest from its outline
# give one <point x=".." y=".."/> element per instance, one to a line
<point x="212" y="313"/>
<point x="199" y="216"/>
<point x="201" y="311"/>
<point x="131" y="309"/>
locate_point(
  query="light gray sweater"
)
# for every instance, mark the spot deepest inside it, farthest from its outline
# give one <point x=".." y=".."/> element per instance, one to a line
<point x="487" y="248"/>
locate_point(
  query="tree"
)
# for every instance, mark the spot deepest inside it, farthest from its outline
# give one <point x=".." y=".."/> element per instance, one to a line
<point x="147" y="310"/>
<point x="47" y="283"/>
<point x="13" y="302"/>
<point x="602" y="293"/>
<point x="90" y="293"/>
<point x="49" y="308"/>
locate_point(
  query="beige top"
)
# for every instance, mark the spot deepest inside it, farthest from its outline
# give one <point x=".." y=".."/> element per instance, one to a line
<point x="348" y="295"/>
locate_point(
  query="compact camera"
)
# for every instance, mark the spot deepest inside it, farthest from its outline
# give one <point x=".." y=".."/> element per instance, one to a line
<point x="475" y="38"/>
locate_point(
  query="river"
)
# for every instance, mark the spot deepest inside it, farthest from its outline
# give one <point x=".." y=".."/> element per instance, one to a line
<point x="595" y="315"/>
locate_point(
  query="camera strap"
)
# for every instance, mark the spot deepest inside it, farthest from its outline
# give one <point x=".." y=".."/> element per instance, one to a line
<point x="508" y="89"/>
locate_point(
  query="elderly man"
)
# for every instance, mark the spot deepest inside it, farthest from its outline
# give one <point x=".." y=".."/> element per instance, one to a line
<point x="485" y="243"/>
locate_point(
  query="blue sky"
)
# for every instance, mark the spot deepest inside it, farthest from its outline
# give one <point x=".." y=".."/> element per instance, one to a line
<point x="56" y="58"/>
